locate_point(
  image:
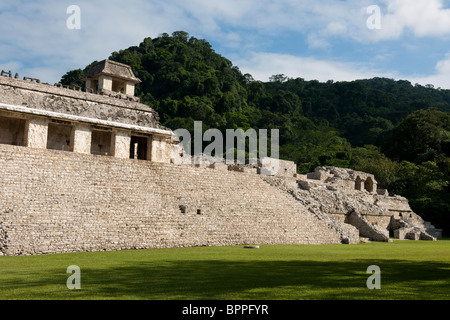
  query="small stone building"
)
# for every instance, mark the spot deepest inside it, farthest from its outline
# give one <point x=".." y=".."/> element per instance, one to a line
<point x="349" y="179"/>
<point x="105" y="119"/>
<point x="110" y="76"/>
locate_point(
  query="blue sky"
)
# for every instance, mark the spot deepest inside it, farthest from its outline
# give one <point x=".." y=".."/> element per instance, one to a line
<point x="322" y="39"/>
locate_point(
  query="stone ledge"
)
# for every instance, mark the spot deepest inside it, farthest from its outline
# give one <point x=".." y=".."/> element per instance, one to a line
<point x="69" y="117"/>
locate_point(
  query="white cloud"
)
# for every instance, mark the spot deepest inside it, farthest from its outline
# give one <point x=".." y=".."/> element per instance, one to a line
<point x="36" y="34"/>
<point x="441" y="78"/>
<point x="263" y="65"/>
<point x="421" y="18"/>
<point x="316" y="41"/>
<point x="35" y="42"/>
<point x="336" y="27"/>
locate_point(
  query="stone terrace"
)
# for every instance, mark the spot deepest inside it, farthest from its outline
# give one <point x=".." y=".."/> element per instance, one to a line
<point x="55" y="201"/>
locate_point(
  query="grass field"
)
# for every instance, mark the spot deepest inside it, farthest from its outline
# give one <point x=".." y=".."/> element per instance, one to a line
<point x="418" y="270"/>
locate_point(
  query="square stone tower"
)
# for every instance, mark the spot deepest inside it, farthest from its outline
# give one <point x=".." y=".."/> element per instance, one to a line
<point x="111" y="76"/>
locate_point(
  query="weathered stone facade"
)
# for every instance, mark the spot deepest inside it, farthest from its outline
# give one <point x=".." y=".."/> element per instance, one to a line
<point x="116" y="108"/>
<point x="51" y="117"/>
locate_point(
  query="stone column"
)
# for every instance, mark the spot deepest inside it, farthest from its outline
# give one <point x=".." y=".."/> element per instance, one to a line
<point x="37" y="132"/>
<point x="122" y="142"/>
<point x="105" y="82"/>
<point x="129" y="88"/>
<point x="82" y="139"/>
<point x="159" y="150"/>
<point x="89" y="84"/>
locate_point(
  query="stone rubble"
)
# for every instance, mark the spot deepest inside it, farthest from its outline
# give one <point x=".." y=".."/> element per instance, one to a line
<point x="337" y="193"/>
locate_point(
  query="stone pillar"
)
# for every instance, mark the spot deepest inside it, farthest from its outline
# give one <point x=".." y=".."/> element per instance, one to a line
<point x="149" y="148"/>
<point x="129" y="89"/>
<point x="82" y="139"/>
<point x="159" y="150"/>
<point x="105" y="82"/>
<point x="37" y="132"/>
<point x="122" y="142"/>
<point x="89" y="84"/>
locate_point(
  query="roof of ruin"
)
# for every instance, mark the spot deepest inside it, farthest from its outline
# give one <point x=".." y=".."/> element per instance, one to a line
<point x="113" y="69"/>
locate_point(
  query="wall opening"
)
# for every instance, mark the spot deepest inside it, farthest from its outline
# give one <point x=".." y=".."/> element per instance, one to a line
<point x="101" y="142"/>
<point x="12" y="131"/>
<point x="118" y="86"/>
<point x="60" y="136"/>
<point x="368" y="184"/>
<point x="358" y="183"/>
<point x="139" y="148"/>
<point x="94" y="85"/>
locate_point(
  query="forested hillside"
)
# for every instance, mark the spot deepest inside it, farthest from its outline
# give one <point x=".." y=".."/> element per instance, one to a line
<point x="394" y="129"/>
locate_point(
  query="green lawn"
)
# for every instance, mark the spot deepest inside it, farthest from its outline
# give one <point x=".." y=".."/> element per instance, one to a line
<point x="409" y="270"/>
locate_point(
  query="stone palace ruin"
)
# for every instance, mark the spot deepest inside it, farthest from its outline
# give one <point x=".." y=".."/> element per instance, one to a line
<point x="93" y="170"/>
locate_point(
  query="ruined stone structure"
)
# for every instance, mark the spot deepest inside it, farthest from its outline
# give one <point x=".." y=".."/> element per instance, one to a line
<point x="101" y="121"/>
<point x="110" y="77"/>
<point x="351" y="197"/>
<point x="92" y="170"/>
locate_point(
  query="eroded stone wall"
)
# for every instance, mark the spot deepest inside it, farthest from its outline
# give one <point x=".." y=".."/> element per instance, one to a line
<point x="54" y="201"/>
<point x="84" y="104"/>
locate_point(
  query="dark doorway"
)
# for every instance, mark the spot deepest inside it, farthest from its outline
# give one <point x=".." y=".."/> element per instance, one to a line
<point x="139" y="148"/>
<point x="60" y="137"/>
<point x="12" y="131"/>
<point x="368" y="184"/>
<point x="358" y="183"/>
<point x="101" y="142"/>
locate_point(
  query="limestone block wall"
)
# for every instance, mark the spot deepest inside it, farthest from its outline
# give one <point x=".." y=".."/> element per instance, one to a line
<point x="37" y="132"/>
<point x="160" y="152"/>
<point x="55" y="201"/>
<point x="122" y="144"/>
<point x="82" y="139"/>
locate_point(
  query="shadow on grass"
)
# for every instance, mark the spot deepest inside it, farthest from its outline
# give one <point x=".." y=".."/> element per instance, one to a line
<point x="215" y="279"/>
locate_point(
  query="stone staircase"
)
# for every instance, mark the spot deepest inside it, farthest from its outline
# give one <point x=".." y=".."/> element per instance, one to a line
<point x="55" y="201"/>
